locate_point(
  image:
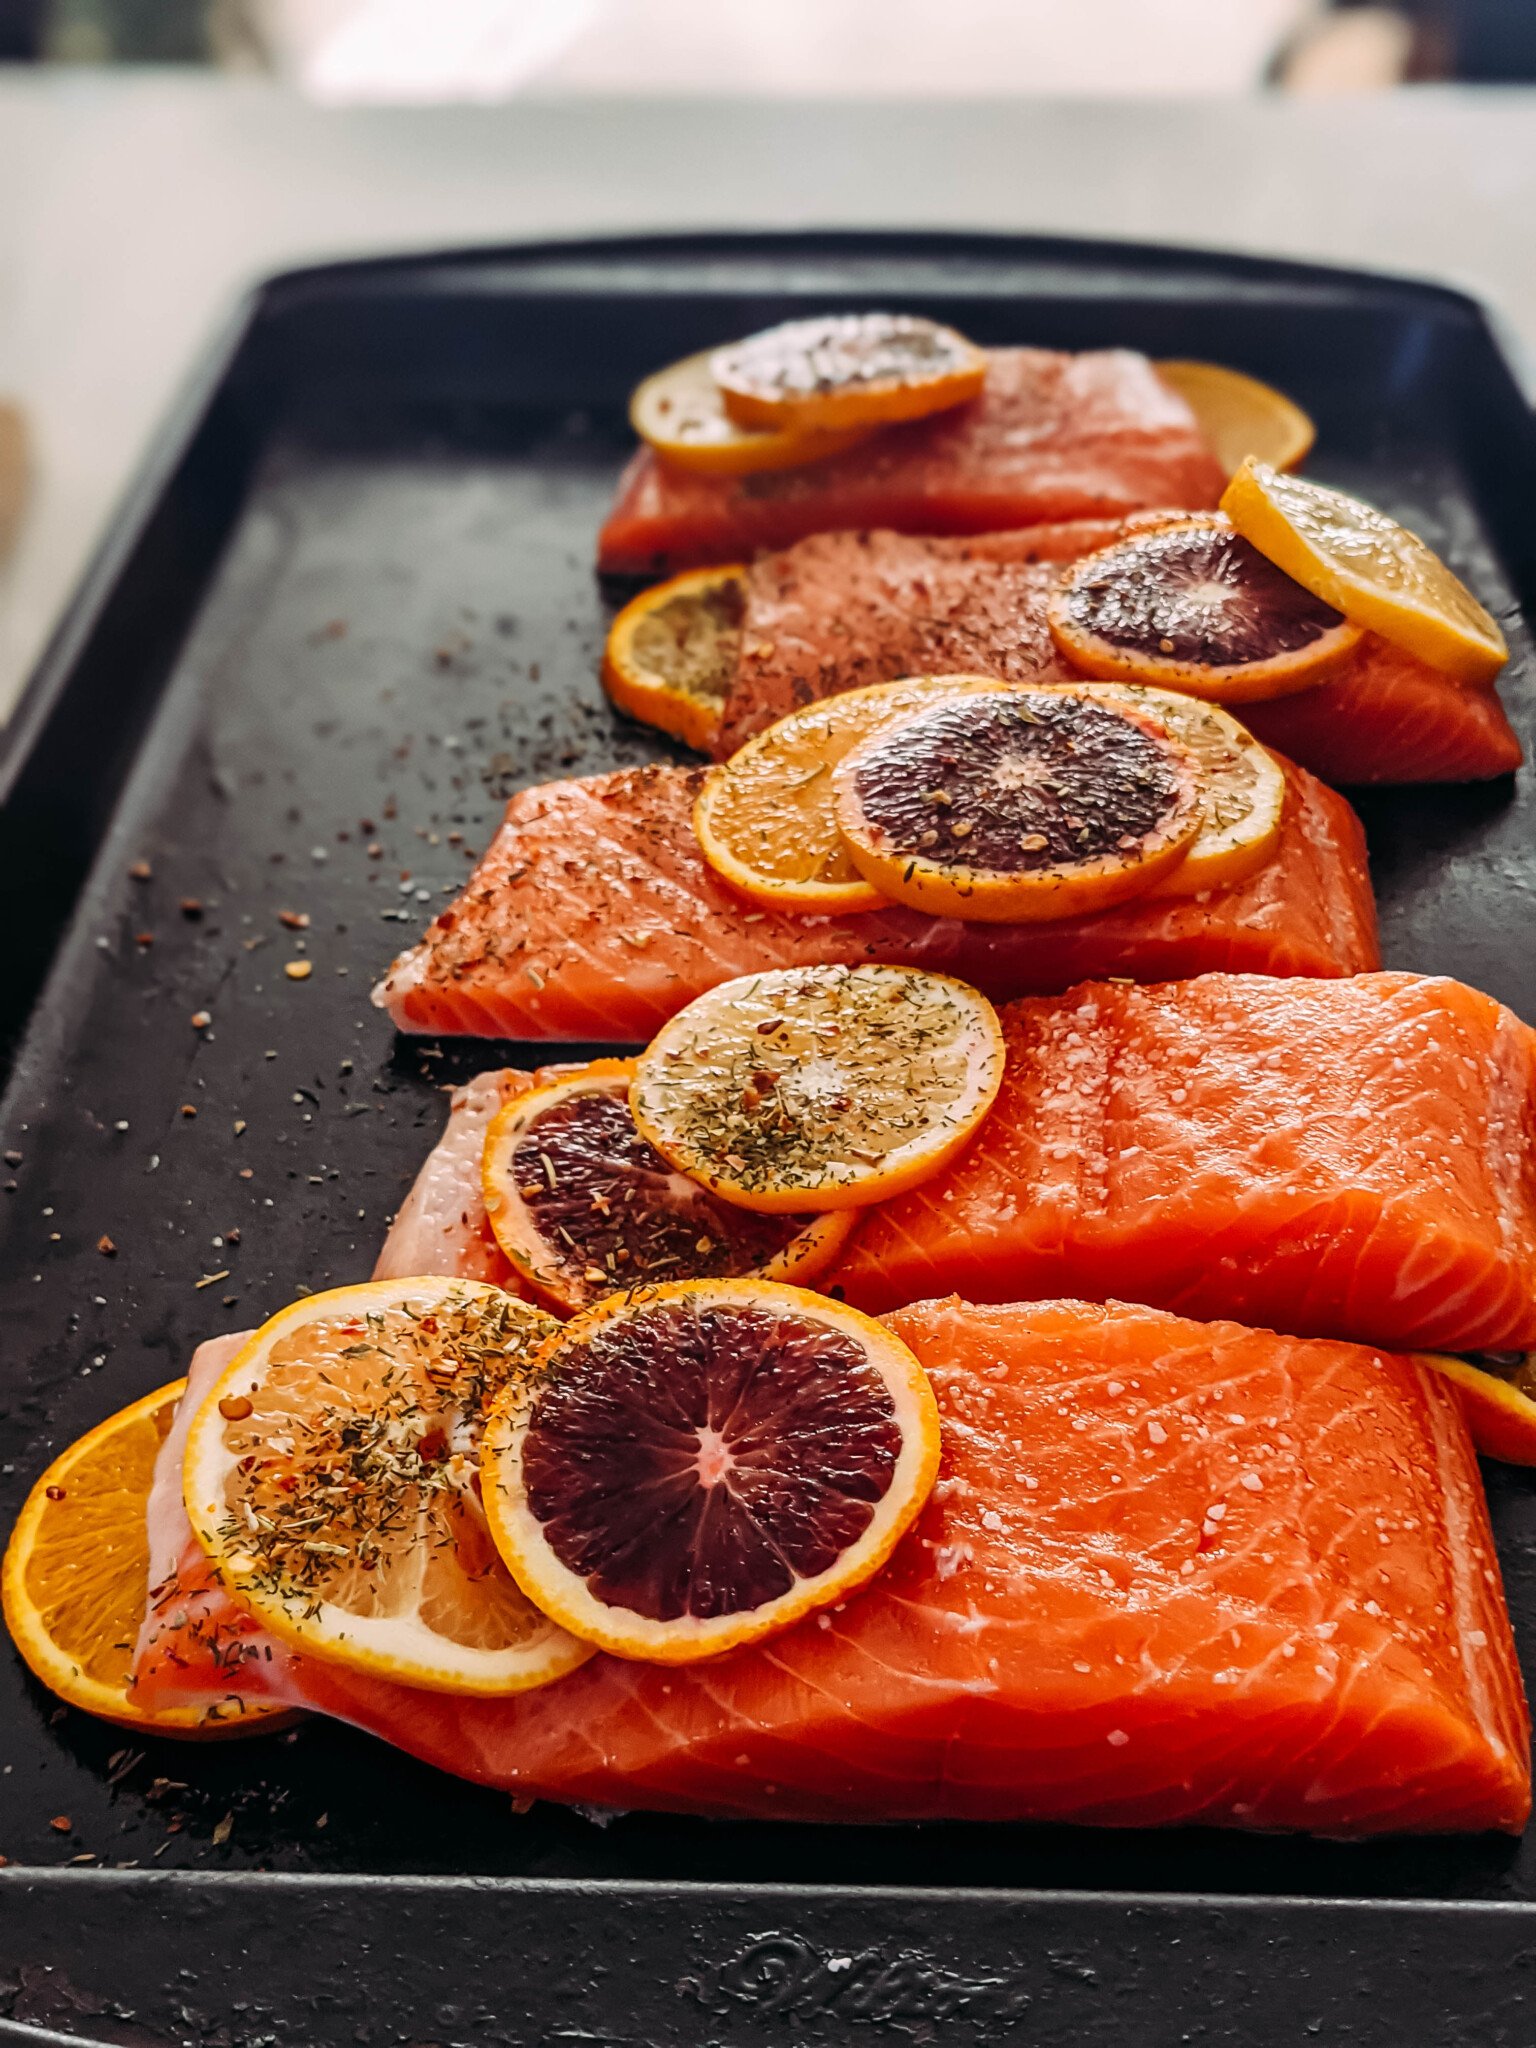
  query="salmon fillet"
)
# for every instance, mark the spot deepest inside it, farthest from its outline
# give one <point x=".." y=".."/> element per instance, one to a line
<point x="842" y="610"/>
<point x="1170" y="1572"/>
<point x="1344" y="1159"/>
<point x="1051" y="438"/>
<point x="593" y="915"/>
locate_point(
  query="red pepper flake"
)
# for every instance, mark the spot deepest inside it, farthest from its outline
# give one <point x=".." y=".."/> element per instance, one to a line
<point x="296" y="920"/>
<point x="247" y="1172"/>
<point x="189" y="1109"/>
<point x="143" y="938"/>
<point x="141" y="871"/>
<point x="53" y="1493"/>
<point x="201" y="1019"/>
<point x="191" y="906"/>
<point x="61" y="1824"/>
<point x="106" y="1247"/>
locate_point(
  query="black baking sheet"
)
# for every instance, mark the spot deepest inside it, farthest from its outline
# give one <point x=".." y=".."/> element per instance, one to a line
<point x="351" y="604"/>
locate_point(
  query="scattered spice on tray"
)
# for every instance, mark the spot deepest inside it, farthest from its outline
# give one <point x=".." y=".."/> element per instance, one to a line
<point x="299" y="970"/>
<point x="141" y="871"/>
<point x="106" y="1247"/>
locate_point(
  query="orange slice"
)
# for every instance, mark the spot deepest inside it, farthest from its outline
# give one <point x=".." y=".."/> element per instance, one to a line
<point x="1239" y="416"/>
<point x="1190" y="605"/>
<point x="847" y="370"/>
<point x="820" y="1087"/>
<point x="333" y="1478"/>
<point x="672" y="651"/>
<point x="77" y="1570"/>
<point x="583" y="1206"/>
<point x="701" y="1465"/>
<point x="1369" y="568"/>
<point x="1014" y="806"/>
<point x="1244" y="788"/>
<point x="766" y="820"/>
<point x="1498" y="1398"/>
<point x="681" y="413"/>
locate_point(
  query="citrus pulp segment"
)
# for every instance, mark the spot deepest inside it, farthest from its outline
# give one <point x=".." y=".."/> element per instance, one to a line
<point x="671" y="653"/>
<point x="1240" y="416"/>
<point x="1367" y="566"/>
<point x="825" y="1087"/>
<point x="333" y="1478"/>
<point x="847" y="370"/>
<point x="1014" y="806"/>
<point x="77" y="1571"/>
<point x="1193" y="606"/>
<point x="700" y="1465"/>
<point x="584" y="1206"/>
<point x="681" y="413"/>
<point x="766" y="820"/>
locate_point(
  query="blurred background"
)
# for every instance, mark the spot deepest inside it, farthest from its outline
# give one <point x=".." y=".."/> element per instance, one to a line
<point x="435" y="50"/>
<point x="160" y="155"/>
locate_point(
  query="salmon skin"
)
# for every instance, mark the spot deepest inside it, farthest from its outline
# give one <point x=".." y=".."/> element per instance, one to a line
<point x="594" y="915"/>
<point x="1351" y="1159"/>
<point x="842" y="610"/>
<point x="1051" y="438"/>
<point x="1171" y="1572"/>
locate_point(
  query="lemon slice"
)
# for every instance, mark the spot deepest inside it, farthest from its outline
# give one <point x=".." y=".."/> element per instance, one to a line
<point x="1368" y="567"/>
<point x="1243" y="802"/>
<point x="847" y="370"/>
<point x="702" y="1465"/>
<point x="583" y="1207"/>
<point x="681" y="413"/>
<point x="332" y="1476"/>
<point x="820" y="1087"/>
<point x="766" y="819"/>
<point x="77" y="1570"/>
<point x="1240" y="416"/>
<point x="672" y="652"/>
<point x="1498" y="1399"/>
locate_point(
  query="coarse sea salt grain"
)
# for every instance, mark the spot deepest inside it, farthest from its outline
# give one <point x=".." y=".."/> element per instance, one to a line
<point x="1117" y="1738"/>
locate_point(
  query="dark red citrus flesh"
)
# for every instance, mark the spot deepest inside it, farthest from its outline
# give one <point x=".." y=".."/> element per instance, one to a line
<point x="605" y="1202"/>
<point x="690" y="1460"/>
<point x="1015" y="784"/>
<point x="1195" y="594"/>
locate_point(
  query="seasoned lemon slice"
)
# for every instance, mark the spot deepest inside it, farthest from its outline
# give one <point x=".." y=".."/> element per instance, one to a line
<point x="672" y="652"/>
<point x="1369" y="568"/>
<point x="333" y="1478"/>
<point x="583" y="1206"/>
<point x="766" y="819"/>
<point x="680" y="412"/>
<point x="702" y="1465"/>
<point x="77" y="1571"/>
<point x="1498" y="1398"/>
<point x="820" y="1087"/>
<point x="1244" y="799"/>
<point x="1239" y="416"/>
<point x="1014" y="806"/>
<point x="1190" y="605"/>
<point x="847" y="370"/>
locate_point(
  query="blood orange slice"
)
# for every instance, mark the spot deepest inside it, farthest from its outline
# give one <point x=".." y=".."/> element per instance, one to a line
<point x="1193" y="606"/>
<point x="1014" y="806"/>
<point x="583" y="1206"/>
<point x="698" y="1466"/>
<point x="847" y="370"/>
<point x="333" y="1477"/>
<point x="824" y="1087"/>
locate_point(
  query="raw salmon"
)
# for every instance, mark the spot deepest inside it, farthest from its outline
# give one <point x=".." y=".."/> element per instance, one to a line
<point x="1051" y="438"/>
<point x="1170" y="1572"/>
<point x="593" y="914"/>
<point x="1343" y="1159"/>
<point x="841" y="610"/>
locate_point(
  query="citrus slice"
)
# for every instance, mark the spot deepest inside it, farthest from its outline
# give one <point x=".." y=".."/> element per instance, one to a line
<point x="703" y="1464"/>
<point x="766" y="820"/>
<point x="847" y="370"/>
<point x="681" y="413"/>
<point x="1369" y="568"/>
<point x="824" y="1087"/>
<point x="77" y="1570"/>
<point x="672" y="651"/>
<point x="1239" y="416"/>
<point x="1498" y="1398"/>
<point x="1012" y="806"/>
<point x="333" y="1477"/>
<point x="1244" y="788"/>
<point x="1193" y="606"/>
<point x="583" y="1206"/>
